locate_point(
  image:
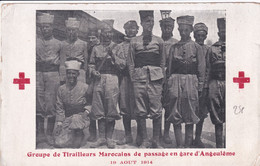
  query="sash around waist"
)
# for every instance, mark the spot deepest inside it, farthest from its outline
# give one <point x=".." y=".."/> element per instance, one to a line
<point x="73" y="109"/>
<point x="147" y="59"/>
<point x="46" y="67"/>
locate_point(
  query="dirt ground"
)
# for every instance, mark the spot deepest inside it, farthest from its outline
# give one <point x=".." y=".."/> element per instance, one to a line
<point x="208" y="136"/>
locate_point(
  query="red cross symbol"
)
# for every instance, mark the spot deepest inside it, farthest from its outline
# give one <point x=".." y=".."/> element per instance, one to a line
<point x="21" y="81"/>
<point x="241" y="79"/>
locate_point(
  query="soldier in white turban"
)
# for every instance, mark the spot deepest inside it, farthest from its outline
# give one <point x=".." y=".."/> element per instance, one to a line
<point x="72" y="109"/>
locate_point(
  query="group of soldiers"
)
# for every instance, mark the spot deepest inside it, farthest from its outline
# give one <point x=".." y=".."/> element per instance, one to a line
<point x="82" y="83"/>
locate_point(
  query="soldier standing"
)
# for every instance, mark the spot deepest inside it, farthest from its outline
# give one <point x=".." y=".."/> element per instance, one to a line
<point x="216" y="82"/>
<point x="126" y="101"/>
<point x="200" y="35"/>
<point x="106" y="62"/>
<point x="167" y="26"/>
<point x="185" y="73"/>
<point x="146" y="69"/>
<point x="74" y="48"/>
<point x="47" y="68"/>
<point x="93" y="40"/>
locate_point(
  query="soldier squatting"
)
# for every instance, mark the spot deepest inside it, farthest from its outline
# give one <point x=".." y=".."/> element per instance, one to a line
<point x="81" y="84"/>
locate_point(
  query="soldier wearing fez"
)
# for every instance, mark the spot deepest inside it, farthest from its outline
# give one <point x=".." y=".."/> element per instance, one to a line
<point x="167" y="26"/>
<point x="74" y="48"/>
<point x="185" y="78"/>
<point x="216" y="82"/>
<point x="126" y="101"/>
<point x="106" y="62"/>
<point x="47" y="69"/>
<point x="200" y="35"/>
<point x="146" y="69"/>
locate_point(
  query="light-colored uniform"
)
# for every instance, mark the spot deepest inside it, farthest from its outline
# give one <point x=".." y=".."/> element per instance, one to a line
<point x="146" y="68"/>
<point x="186" y="78"/>
<point x="77" y="50"/>
<point x="126" y="100"/>
<point x="216" y="82"/>
<point x="71" y="104"/>
<point x="106" y="89"/>
<point x="47" y="74"/>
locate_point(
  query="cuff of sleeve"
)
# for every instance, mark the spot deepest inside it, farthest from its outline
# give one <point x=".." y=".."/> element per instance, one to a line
<point x="87" y="108"/>
<point x="200" y="87"/>
<point x="59" y="119"/>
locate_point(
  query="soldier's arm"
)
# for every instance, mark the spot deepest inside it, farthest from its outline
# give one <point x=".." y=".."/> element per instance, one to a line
<point x="62" y="69"/>
<point x="163" y="58"/>
<point x="201" y="67"/>
<point x="60" y="116"/>
<point x="119" y="60"/>
<point x="130" y="60"/>
<point x="92" y="65"/>
<point x="208" y="66"/>
<point x="85" y="54"/>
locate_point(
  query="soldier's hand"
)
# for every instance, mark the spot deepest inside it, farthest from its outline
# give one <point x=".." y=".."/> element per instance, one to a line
<point x="96" y="74"/>
<point x="58" y="129"/>
<point x="200" y="94"/>
<point x="110" y="53"/>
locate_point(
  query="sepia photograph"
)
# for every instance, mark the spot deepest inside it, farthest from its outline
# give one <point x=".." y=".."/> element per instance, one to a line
<point x="130" y="79"/>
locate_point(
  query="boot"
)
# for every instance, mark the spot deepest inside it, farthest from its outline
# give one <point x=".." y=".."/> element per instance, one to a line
<point x="188" y="135"/>
<point x="178" y="135"/>
<point x="145" y="144"/>
<point x="139" y="136"/>
<point x="166" y="135"/>
<point x="78" y="133"/>
<point x="102" y="134"/>
<point x="109" y="131"/>
<point x="219" y="135"/>
<point x="197" y="142"/>
<point x="157" y="123"/>
<point x="128" y="133"/>
<point x="92" y="131"/>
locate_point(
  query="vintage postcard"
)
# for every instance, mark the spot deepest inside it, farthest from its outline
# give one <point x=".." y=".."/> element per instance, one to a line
<point x="130" y="83"/>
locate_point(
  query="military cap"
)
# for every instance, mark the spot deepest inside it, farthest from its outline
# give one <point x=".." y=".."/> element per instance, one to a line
<point x="45" y="18"/>
<point x="145" y="13"/>
<point x="131" y="23"/>
<point x="107" y="24"/>
<point x="200" y="27"/>
<point x="221" y="24"/>
<point x="167" y="21"/>
<point x="189" y="20"/>
<point x="72" y="23"/>
<point x="72" y="65"/>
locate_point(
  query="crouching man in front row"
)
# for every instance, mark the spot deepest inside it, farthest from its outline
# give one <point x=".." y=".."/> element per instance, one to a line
<point x="72" y="109"/>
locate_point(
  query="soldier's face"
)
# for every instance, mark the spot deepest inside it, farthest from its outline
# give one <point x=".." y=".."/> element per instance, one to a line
<point x="185" y="31"/>
<point x="46" y="30"/>
<point x="92" y="40"/>
<point x="72" y="76"/>
<point x="131" y="32"/>
<point x="148" y="23"/>
<point x="167" y="29"/>
<point x="222" y="35"/>
<point x="107" y="34"/>
<point x="72" y="33"/>
<point x="200" y="36"/>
